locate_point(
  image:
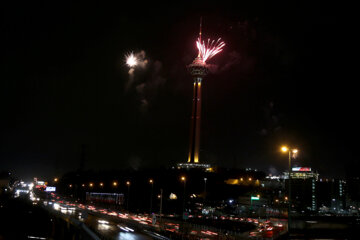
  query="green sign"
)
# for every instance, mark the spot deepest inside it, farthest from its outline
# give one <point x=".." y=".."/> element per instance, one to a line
<point x="255" y="198"/>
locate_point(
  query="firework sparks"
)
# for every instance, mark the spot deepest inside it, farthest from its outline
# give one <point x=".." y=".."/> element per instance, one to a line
<point x="135" y="61"/>
<point x="209" y="49"/>
<point x="131" y="60"/>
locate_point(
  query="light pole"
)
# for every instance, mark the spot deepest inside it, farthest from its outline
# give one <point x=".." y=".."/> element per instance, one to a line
<point x="128" y="195"/>
<point x="289" y="151"/>
<point x="205" y="179"/>
<point x="183" y="179"/>
<point x="151" y="195"/>
<point x="161" y="198"/>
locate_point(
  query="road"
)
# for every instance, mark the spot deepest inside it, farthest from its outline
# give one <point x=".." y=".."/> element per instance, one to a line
<point x="114" y="225"/>
<point x="99" y="223"/>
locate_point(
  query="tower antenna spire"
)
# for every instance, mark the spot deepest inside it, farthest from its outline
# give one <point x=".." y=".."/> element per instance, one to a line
<point x="200" y="28"/>
<point x="200" y="35"/>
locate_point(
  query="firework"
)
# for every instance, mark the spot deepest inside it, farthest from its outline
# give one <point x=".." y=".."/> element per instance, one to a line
<point x="135" y="61"/>
<point x="131" y="60"/>
<point x="209" y="49"/>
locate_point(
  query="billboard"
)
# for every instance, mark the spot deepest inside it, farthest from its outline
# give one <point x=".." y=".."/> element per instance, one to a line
<point x="50" y="189"/>
<point x="301" y="169"/>
<point x="108" y="198"/>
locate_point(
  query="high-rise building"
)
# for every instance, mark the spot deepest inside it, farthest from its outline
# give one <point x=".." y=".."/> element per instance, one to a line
<point x="331" y="194"/>
<point x="303" y="188"/>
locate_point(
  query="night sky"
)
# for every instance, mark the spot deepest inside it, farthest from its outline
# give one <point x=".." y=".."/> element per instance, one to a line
<point x="284" y="77"/>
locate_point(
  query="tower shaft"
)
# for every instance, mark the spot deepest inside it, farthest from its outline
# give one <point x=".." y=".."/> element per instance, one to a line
<point x="194" y="147"/>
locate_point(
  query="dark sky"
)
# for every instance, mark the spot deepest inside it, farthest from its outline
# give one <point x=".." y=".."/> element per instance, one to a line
<point x="284" y="77"/>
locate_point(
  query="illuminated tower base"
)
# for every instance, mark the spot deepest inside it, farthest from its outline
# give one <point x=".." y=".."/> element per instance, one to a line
<point x="198" y="71"/>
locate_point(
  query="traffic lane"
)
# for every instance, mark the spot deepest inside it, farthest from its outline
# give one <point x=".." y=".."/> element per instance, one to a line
<point x="132" y="236"/>
<point x="90" y="214"/>
<point x="103" y="224"/>
<point x="115" y="230"/>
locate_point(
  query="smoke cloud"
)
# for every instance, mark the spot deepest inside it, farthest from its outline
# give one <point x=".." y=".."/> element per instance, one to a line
<point x="145" y="77"/>
<point x="148" y="89"/>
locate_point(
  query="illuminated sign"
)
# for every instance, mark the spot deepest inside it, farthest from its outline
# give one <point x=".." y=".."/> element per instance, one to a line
<point x="301" y="169"/>
<point x="50" y="189"/>
<point x="255" y="198"/>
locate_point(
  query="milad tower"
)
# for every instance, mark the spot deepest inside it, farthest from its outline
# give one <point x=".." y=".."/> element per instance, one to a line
<point x="198" y="69"/>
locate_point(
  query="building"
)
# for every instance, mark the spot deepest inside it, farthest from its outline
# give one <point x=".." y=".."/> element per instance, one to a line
<point x="105" y="198"/>
<point x="331" y="195"/>
<point x="303" y="189"/>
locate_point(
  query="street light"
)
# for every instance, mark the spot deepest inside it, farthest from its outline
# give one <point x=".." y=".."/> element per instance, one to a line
<point x="205" y="179"/>
<point x="56" y="179"/>
<point x="101" y="184"/>
<point x="284" y="149"/>
<point x="151" y="195"/>
<point x="161" y="202"/>
<point x="115" y="184"/>
<point x="91" y="184"/>
<point x="290" y="151"/>
<point x="183" y="179"/>
<point x="128" y="196"/>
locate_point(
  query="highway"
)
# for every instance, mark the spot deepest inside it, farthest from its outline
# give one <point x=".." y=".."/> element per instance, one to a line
<point x="110" y="224"/>
<point x="99" y="223"/>
<point x="118" y="225"/>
